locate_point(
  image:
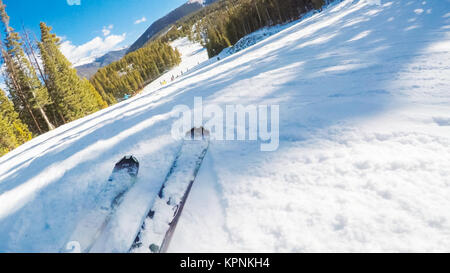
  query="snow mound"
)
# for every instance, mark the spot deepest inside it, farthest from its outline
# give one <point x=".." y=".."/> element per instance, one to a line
<point x="258" y="36"/>
<point x="252" y="39"/>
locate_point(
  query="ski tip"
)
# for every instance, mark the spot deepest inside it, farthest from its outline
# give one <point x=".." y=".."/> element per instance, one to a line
<point x="154" y="248"/>
<point x="131" y="157"/>
<point x="198" y="133"/>
<point x="130" y="163"/>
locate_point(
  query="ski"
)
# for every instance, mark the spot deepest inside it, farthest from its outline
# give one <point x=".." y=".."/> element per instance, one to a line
<point x="123" y="177"/>
<point x="161" y="220"/>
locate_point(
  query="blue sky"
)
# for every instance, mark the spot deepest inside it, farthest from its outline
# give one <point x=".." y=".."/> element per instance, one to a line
<point x="94" y="26"/>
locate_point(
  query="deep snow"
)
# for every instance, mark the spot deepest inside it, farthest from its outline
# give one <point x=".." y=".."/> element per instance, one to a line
<point x="363" y="163"/>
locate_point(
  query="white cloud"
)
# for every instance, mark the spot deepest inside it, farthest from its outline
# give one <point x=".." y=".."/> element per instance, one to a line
<point x="86" y="53"/>
<point x="107" y="30"/>
<point x="142" y="20"/>
<point x="201" y="2"/>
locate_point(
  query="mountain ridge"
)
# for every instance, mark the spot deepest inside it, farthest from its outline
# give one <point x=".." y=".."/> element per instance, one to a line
<point x="167" y="20"/>
<point x="163" y="23"/>
<point x="88" y="70"/>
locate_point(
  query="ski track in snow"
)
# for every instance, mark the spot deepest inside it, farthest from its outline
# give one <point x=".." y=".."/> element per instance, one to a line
<point x="363" y="163"/>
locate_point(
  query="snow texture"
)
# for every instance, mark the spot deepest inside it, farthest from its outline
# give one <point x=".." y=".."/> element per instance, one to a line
<point x="363" y="163"/>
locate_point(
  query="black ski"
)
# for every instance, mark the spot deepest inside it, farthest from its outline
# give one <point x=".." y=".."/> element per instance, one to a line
<point x="160" y="223"/>
<point x="123" y="177"/>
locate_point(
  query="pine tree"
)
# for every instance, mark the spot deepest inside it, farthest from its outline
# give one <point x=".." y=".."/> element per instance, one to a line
<point x="318" y="3"/>
<point x="12" y="131"/>
<point x="74" y="98"/>
<point x="7" y="139"/>
<point x="217" y="42"/>
<point x="29" y="96"/>
<point x="31" y="49"/>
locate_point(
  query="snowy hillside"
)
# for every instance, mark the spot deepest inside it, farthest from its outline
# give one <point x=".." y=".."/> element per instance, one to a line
<point x="363" y="162"/>
<point x="192" y="55"/>
<point x="257" y="37"/>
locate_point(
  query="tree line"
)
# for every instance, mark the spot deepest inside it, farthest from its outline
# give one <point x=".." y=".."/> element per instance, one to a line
<point x="135" y="70"/>
<point x="222" y="24"/>
<point x="43" y="91"/>
<point x="228" y="26"/>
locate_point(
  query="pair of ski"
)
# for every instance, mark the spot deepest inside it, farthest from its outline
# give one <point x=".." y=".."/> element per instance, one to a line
<point x="160" y="221"/>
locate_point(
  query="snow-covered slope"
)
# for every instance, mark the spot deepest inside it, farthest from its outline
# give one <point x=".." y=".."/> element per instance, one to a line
<point x="258" y="36"/>
<point x="192" y="55"/>
<point x="363" y="162"/>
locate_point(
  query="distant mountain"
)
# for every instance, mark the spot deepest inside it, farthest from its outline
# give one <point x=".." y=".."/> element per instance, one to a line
<point x="88" y="70"/>
<point x="159" y="25"/>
